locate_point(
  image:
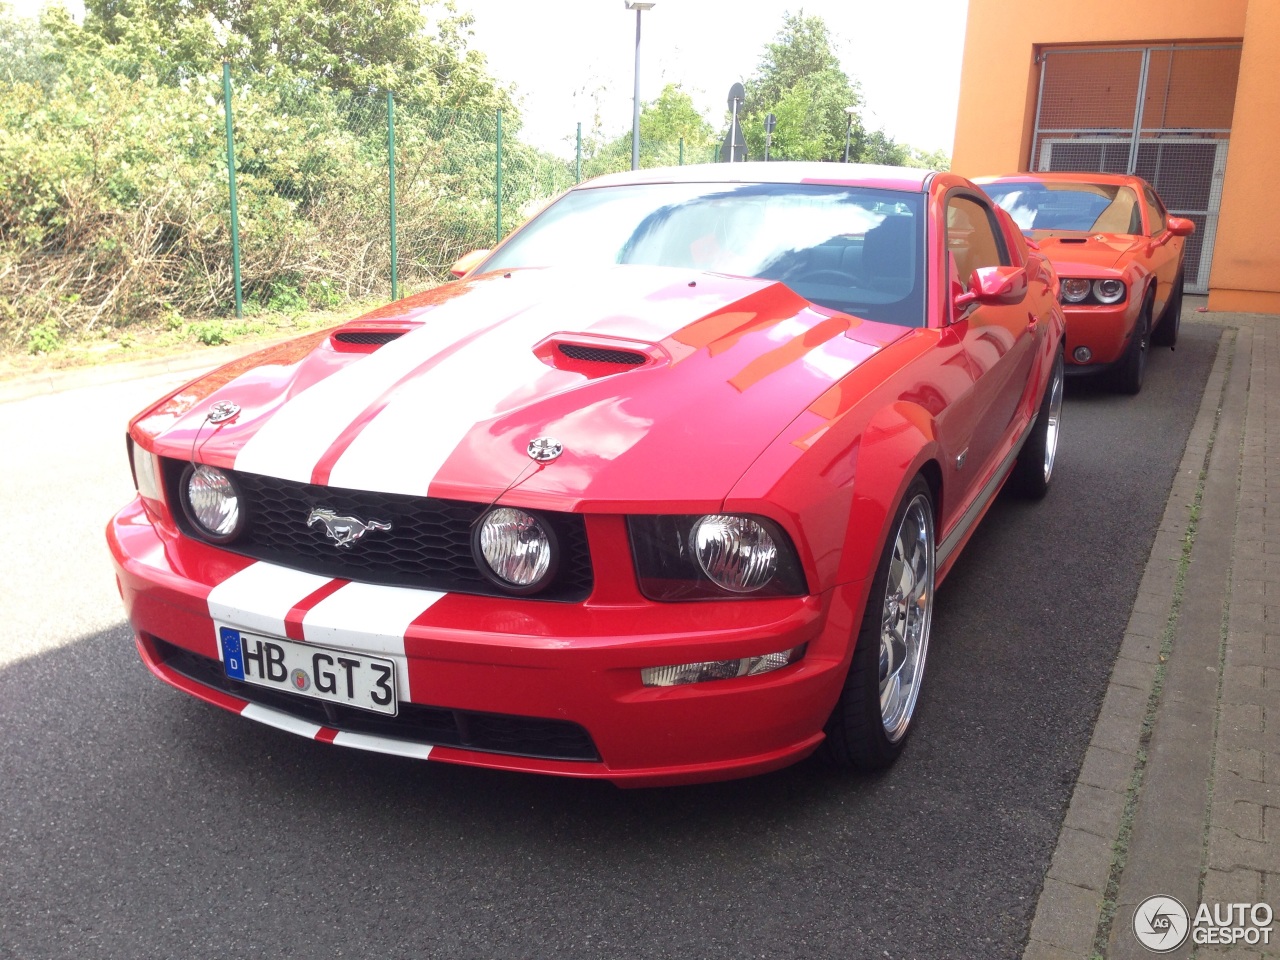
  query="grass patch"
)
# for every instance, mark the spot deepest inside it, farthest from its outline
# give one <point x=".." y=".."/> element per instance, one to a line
<point x="49" y="349"/>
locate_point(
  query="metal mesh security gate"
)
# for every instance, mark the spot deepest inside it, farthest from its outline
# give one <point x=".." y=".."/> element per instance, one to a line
<point x="1161" y="112"/>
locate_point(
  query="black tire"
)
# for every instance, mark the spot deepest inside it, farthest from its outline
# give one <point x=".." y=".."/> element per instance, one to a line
<point x="1033" y="472"/>
<point x="1166" y="332"/>
<point x="859" y="735"/>
<point x="1132" y="369"/>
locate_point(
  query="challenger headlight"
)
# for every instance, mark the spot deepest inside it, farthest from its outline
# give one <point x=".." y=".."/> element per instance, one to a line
<point x="1108" y="291"/>
<point x="515" y="550"/>
<point x="714" y="556"/>
<point x="1074" y="290"/>
<point x="211" y="502"/>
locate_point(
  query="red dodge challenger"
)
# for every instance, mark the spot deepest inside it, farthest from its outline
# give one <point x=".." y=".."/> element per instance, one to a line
<point x="660" y="492"/>
<point x="1119" y="255"/>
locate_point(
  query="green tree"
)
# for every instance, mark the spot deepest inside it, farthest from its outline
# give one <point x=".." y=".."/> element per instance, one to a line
<point x="664" y="122"/>
<point x="419" y="49"/>
<point x="673" y="117"/>
<point x="800" y="81"/>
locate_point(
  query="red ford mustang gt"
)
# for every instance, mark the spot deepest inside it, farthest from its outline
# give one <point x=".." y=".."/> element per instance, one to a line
<point x="659" y="493"/>
<point x="1119" y="256"/>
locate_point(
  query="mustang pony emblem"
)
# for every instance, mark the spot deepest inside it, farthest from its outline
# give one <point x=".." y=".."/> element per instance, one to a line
<point x="345" y="530"/>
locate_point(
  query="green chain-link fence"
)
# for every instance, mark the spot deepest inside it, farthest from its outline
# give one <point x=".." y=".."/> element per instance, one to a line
<point x="118" y="202"/>
<point x="380" y="198"/>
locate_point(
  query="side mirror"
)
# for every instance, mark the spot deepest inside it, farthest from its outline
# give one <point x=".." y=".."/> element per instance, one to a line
<point x="468" y="262"/>
<point x="998" y="285"/>
<point x="1180" y="226"/>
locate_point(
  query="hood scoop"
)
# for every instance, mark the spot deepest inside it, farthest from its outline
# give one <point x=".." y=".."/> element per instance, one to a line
<point x="367" y="337"/>
<point x="597" y="356"/>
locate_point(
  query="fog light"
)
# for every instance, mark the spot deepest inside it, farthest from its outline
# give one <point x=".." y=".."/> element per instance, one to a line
<point x="515" y="550"/>
<point x="212" y="502"/>
<point x="682" y="673"/>
<point x="1082" y="354"/>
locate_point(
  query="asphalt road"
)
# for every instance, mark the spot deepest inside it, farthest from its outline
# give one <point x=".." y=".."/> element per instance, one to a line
<point x="137" y="822"/>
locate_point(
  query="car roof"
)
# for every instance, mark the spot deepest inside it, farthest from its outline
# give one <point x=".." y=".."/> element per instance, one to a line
<point x="1077" y="176"/>
<point x="907" y="179"/>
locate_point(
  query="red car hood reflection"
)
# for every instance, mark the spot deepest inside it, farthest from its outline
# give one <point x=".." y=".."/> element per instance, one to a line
<point x="715" y="368"/>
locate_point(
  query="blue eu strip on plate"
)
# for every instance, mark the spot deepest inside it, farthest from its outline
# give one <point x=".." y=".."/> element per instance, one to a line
<point x="231" y="657"/>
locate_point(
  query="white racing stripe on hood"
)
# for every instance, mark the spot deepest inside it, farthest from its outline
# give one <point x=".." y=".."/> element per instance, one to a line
<point x="259" y="597"/>
<point x="290" y="443"/>
<point x="402" y="448"/>
<point x="369" y="618"/>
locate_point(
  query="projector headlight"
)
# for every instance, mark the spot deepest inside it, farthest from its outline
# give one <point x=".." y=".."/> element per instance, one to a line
<point x="1108" y="291"/>
<point x="515" y="550"/>
<point x="211" y="502"/>
<point x="1074" y="290"/>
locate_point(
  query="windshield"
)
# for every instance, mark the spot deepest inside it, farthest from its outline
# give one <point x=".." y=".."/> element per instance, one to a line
<point x="851" y="249"/>
<point x="1084" y="207"/>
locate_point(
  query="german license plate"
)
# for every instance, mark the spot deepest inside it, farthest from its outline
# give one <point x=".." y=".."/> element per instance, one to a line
<point x="338" y="676"/>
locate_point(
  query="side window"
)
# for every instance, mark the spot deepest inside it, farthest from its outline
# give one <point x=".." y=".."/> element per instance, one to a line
<point x="973" y="239"/>
<point x="1157" y="212"/>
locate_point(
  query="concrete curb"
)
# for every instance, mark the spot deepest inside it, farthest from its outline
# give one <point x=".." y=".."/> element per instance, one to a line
<point x="1140" y="814"/>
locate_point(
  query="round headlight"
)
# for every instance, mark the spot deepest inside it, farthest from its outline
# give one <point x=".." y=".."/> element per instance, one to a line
<point x="1073" y="290"/>
<point x="737" y="553"/>
<point x="1108" y="291"/>
<point x="212" y="502"/>
<point x="515" y="550"/>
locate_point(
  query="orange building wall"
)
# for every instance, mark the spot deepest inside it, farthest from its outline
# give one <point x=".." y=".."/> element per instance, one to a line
<point x="1246" y="260"/>
<point x="999" y="81"/>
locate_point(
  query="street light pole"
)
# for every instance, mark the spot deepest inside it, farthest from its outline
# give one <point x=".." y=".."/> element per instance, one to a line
<point x="639" y="6"/>
<point x="848" y="130"/>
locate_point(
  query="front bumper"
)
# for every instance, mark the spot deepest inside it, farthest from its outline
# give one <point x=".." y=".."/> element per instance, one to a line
<point x="502" y="683"/>
<point x="1105" y="330"/>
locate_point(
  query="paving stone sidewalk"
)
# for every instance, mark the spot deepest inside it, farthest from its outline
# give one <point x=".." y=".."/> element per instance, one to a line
<point x="1179" y="792"/>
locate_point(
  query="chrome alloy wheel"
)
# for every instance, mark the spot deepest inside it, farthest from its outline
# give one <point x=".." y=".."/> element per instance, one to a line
<point x="1055" y="420"/>
<point x="908" y="612"/>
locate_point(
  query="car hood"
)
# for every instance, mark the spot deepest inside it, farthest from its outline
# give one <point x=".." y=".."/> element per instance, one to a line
<point x="657" y="383"/>
<point x="1086" y="254"/>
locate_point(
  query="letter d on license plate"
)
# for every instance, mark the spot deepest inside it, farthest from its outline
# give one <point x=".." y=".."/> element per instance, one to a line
<point x="338" y="676"/>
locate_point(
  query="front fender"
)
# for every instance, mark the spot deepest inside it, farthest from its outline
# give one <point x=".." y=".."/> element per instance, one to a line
<point x="836" y="487"/>
<point x="899" y="442"/>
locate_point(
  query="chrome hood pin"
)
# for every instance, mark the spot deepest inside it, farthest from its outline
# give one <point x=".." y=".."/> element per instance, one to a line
<point x="545" y="449"/>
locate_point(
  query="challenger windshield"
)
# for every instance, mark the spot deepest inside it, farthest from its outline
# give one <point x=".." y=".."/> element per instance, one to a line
<point x="1083" y="207"/>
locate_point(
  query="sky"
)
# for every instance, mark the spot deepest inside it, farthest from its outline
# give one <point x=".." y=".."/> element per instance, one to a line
<point x="562" y="54"/>
<point x="566" y="56"/>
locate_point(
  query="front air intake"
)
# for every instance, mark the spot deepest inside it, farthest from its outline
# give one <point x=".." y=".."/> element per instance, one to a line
<point x="367" y="338"/>
<point x="575" y="351"/>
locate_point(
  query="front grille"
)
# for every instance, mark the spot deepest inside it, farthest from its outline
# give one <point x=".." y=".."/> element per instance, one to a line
<point x="368" y="338"/>
<point x="416" y="723"/>
<point x="597" y="355"/>
<point x="428" y="545"/>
